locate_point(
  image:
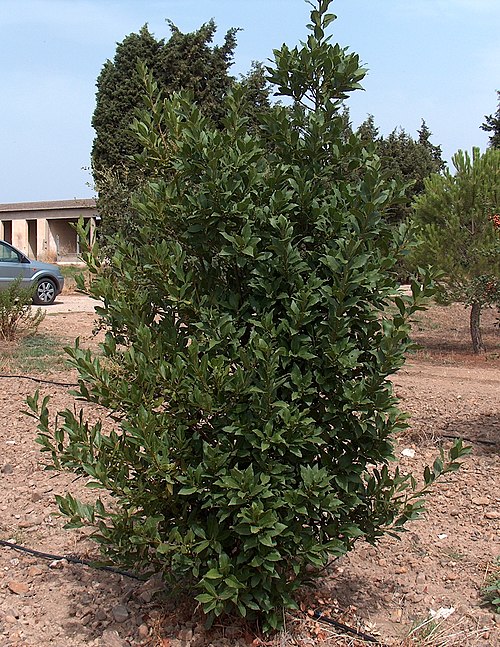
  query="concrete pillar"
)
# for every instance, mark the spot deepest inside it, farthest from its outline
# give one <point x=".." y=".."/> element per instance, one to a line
<point x="51" y="251"/>
<point x="20" y="235"/>
<point x="41" y="238"/>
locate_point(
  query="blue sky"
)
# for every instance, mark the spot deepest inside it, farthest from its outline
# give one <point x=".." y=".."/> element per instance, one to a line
<point x="432" y="59"/>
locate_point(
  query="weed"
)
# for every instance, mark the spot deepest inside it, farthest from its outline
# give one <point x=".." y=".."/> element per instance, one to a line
<point x="422" y="631"/>
<point x="37" y="354"/>
<point x="16" y="316"/>
<point x="491" y="592"/>
<point x="71" y="271"/>
<point x="17" y="536"/>
<point x="432" y="632"/>
<point x="453" y="555"/>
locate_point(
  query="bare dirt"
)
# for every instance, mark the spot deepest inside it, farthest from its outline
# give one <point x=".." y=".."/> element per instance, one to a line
<point x="440" y="565"/>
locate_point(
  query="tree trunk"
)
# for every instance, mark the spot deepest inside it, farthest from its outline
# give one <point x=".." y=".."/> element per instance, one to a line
<point x="475" y="328"/>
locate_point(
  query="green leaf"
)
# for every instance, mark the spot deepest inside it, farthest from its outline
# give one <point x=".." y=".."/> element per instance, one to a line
<point x="184" y="491"/>
<point x="213" y="574"/>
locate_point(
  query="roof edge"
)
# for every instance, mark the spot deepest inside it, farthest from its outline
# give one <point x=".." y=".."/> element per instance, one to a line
<point x="76" y="203"/>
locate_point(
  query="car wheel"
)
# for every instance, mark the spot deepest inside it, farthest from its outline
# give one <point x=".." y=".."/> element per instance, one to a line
<point x="45" y="292"/>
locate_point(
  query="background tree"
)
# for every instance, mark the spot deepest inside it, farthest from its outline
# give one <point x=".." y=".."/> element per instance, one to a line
<point x="255" y="94"/>
<point x="456" y="219"/>
<point x="119" y="94"/>
<point x="185" y="61"/>
<point x="492" y="125"/>
<point x="368" y="131"/>
<point x="190" y="62"/>
<point x="404" y="159"/>
<point x="424" y="139"/>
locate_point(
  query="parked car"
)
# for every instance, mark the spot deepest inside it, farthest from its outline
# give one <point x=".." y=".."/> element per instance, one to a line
<point x="46" y="277"/>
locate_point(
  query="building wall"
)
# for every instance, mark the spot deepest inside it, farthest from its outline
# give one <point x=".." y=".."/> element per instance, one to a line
<point x="64" y="237"/>
<point x="41" y="239"/>
<point x="43" y="230"/>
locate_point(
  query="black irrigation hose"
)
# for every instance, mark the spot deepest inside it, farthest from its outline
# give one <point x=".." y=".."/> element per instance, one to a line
<point x="470" y="440"/>
<point x="339" y="625"/>
<point x="68" y="558"/>
<point x="318" y="615"/>
<point x="38" y="379"/>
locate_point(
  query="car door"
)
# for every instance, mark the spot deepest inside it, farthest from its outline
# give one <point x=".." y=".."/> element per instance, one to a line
<point x="12" y="265"/>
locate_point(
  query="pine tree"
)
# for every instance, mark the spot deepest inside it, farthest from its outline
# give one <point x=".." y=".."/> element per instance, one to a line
<point x="408" y="161"/>
<point x="456" y="218"/>
<point x="424" y="139"/>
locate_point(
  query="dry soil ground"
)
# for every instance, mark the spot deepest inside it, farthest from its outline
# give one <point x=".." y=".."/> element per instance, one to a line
<point x="440" y="565"/>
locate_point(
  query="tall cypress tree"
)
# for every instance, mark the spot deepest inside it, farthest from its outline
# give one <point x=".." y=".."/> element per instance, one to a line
<point x="119" y="94"/>
<point x="183" y="62"/>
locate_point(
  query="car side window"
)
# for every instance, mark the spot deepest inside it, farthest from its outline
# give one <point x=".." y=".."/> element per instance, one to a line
<point x="8" y="255"/>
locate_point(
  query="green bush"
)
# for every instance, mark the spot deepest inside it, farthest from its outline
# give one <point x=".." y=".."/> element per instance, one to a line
<point x="249" y="346"/>
<point x="16" y="315"/>
<point x="491" y="592"/>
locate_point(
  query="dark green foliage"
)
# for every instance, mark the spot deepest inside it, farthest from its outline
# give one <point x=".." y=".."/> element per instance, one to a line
<point x="251" y="338"/>
<point x="424" y="139"/>
<point x="404" y="159"/>
<point x="184" y="61"/>
<point x="119" y="94"/>
<point x="368" y="131"/>
<point x="256" y="94"/>
<point x="492" y="125"/>
<point x="189" y="62"/>
<point x="459" y="235"/>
